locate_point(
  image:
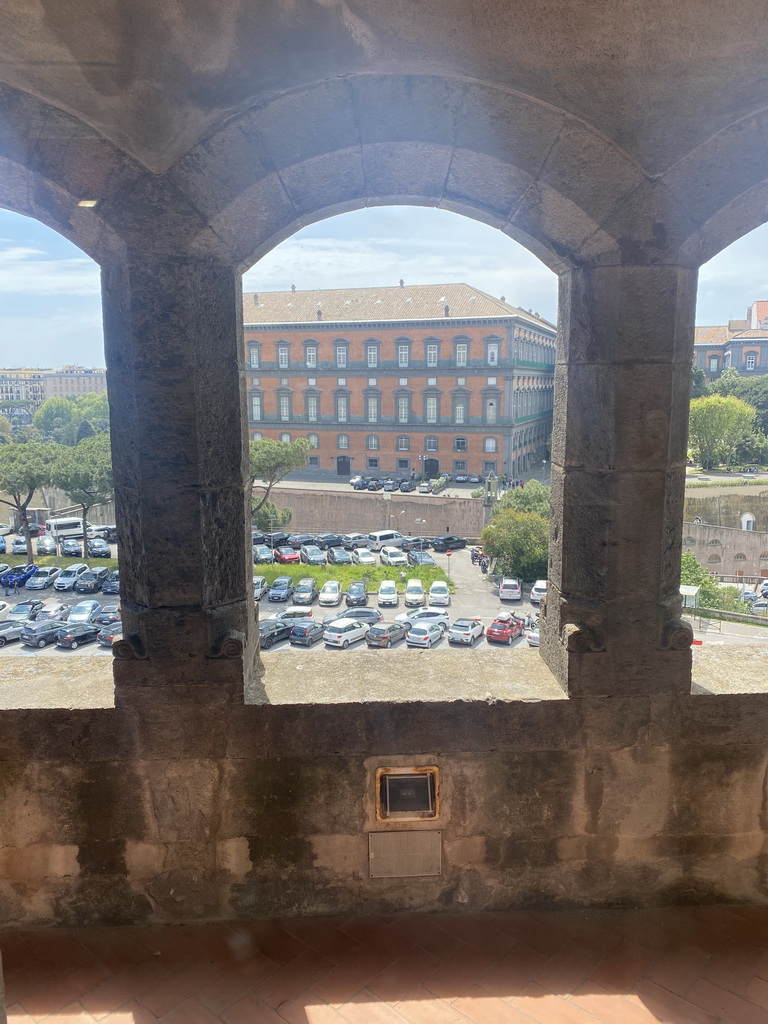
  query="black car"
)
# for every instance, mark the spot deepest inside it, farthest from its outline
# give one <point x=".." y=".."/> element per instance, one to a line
<point x="281" y="589"/>
<point x="109" y="634"/>
<point x="277" y="539"/>
<point x="328" y="540"/>
<point x="40" y="634"/>
<point x="257" y="537"/>
<point x="448" y="543"/>
<point x="273" y="630"/>
<point x="385" y="635"/>
<point x="108" y="615"/>
<point x="91" y="580"/>
<point x="375" y="485"/>
<point x="298" y="540"/>
<point x="98" y="548"/>
<point x="339" y="556"/>
<point x="407" y="485"/>
<point x="72" y="547"/>
<point x="306" y="633"/>
<point x="111" y="584"/>
<point x="73" y="636"/>
<point x="356" y="595"/>
<point x="415" y="544"/>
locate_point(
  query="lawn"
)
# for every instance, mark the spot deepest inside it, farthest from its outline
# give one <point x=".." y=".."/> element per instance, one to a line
<point x="346" y="574"/>
<point x="60" y="563"/>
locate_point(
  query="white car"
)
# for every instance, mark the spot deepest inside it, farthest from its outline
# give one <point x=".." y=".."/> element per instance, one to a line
<point x="393" y="556"/>
<point x="260" y="587"/>
<point x="388" y="596"/>
<point x="439" y="595"/>
<point x="414" y="594"/>
<point x="45" y="577"/>
<point x="465" y="631"/>
<point x="421" y="616"/>
<point x="330" y="594"/>
<point x="510" y="590"/>
<point x="4" y="609"/>
<point x="70" y="576"/>
<point x="343" y="632"/>
<point x="363" y="556"/>
<point x="532" y="636"/>
<point x="425" y="634"/>
<point x="293" y="613"/>
<point x="538" y="591"/>
<point x="5" y="529"/>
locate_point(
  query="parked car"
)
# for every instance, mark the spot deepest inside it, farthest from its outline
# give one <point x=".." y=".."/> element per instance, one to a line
<point x="375" y="485"/>
<point x="85" y="612"/>
<point x="420" y="558"/>
<point x="343" y="632"/>
<point x="277" y="539"/>
<point x="298" y="540"/>
<point x="108" y="532"/>
<point x="70" y="576"/>
<point x="5" y="529"/>
<point x="362" y="556"/>
<point x="414" y="594"/>
<point x="53" y="611"/>
<point x="385" y="635"/>
<point x="71" y="548"/>
<point x="311" y="554"/>
<point x="510" y="590"/>
<point x="263" y="554"/>
<point x="24" y="610"/>
<point x="46" y="546"/>
<point x="257" y="537"/>
<point x="304" y="634"/>
<point x="108" y="615"/>
<point x="331" y="594"/>
<point x="4" y="609"/>
<point x="388" y="596"/>
<point x="111" y="584"/>
<point x="40" y="634"/>
<point x="98" y="548"/>
<point x="109" y="634"/>
<point x="356" y="594"/>
<point x="392" y="556"/>
<point x="422" y="615"/>
<point x="90" y="581"/>
<point x="532" y="637"/>
<point x="328" y="540"/>
<point x="423" y="635"/>
<point x="11" y="629"/>
<point x="406" y="486"/>
<point x="339" y="556"/>
<point x="448" y="542"/>
<point x="368" y="615"/>
<point x="293" y="614"/>
<point x="3" y="546"/>
<point x="354" y="540"/>
<point x="45" y="577"/>
<point x="465" y="631"/>
<point x="389" y="485"/>
<point x="273" y="630"/>
<point x="359" y="484"/>
<point x="538" y="591"/>
<point x="439" y="595"/>
<point x="260" y="587"/>
<point x="17" y="576"/>
<point x="74" y="635"/>
<point x="306" y="591"/>
<point x="416" y="544"/>
<point x="353" y="480"/>
<point x="281" y="589"/>
<point x="286" y="555"/>
<point x="760" y="607"/>
<point x="19" y="546"/>
<point x="505" y="629"/>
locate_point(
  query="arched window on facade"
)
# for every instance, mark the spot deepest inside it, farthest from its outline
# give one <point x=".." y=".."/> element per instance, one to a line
<point x="713" y="559"/>
<point x="285" y="438"/>
<point x="740" y="557"/>
<point x="459" y="444"/>
<point x="747" y="521"/>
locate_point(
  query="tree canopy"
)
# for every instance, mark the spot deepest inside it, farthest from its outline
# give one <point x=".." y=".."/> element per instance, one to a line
<point x="270" y="462"/>
<point x="717" y="426"/>
<point x="23" y="469"/>
<point x="533" y="497"/>
<point x="84" y="472"/>
<point x="519" y="541"/>
<point x="693" y="574"/>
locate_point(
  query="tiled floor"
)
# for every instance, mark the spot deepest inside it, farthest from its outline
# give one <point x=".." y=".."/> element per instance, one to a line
<point x="685" y="966"/>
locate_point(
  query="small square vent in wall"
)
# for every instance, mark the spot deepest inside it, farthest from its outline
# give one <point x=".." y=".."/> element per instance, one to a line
<point x="404" y="854"/>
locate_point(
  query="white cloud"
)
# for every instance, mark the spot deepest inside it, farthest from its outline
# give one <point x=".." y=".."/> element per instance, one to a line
<point x="27" y="271"/>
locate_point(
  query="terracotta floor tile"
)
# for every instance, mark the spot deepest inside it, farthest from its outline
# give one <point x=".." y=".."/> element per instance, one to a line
<point x="74" y="1013"/>
<point x="308" y="1009"/>
<point x="734" y="970"/>
<point x="345" y="980"/>
<point x="377" y="934"/>
<point x="174" y="943"/>
<point x="610" y="1006"/>
<point x="429" y="934"/>
<point x="325" y="938"/>
<point x="20" y="983"/>
<point x="366" y="1009"/>
<point x="422" y="1007"/>
<point x="16" y="953"/>
<point x="16" y="1015"/>
<point x="567" y="968"/>
<point x="64" y="989"/>
<point x="123" y="988"/>
<point x="480" y="933"/>
<point x="233" y="982"/>
<point x="510" y="975"/>
<point x="131" y="1013"/>
<point x="623" y="967"/>
<point x="757" y="992"/>
<point x="531" y="932"/>
<point x="272" y="941"/>
<point x="597" y="929"/>
<point x="401" y="977"/>
<point x="58" y="950"/>
<point x="190" y="1012"/>
<point x="483" y="1008"/>
<point x="464" y="969"/>
<point x="292" y="979"/>
<point x="178" y="986"/>
<point x="547" y="1008"/>
<point x="116" y="948"/>
<point x="677" y="969"/>
<point x="250" y="1010"/>
<point x="721" y="1003"/>
<point x="670" y="1007"/>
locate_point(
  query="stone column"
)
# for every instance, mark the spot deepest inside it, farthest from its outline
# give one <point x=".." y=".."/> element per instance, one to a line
<point x="611" y="623"/>
<point x="173" y="344"/>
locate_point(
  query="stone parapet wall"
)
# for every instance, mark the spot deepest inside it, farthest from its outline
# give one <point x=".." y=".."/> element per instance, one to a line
<point x="159" y="814"/>
<point x="726" y="551"/>
<point x="727" y="509"/>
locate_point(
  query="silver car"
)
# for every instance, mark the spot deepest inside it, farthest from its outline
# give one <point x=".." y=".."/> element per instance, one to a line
<point x="45" y="577"/>
<point x="11" y="629"/>
<point x="85" y="611"/>
<point x="69" y="576"/>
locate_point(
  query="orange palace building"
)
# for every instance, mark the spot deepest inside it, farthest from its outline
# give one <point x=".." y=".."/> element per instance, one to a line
<point x="393" y="381"/>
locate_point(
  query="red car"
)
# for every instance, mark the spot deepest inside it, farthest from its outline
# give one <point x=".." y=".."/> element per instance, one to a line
<point x="286" y="554"/>
<point x="505" y="628"/>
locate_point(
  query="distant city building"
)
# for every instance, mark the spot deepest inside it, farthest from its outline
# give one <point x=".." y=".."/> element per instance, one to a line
<point x="403" y="380"/>
<point x="71" y="381"/>
<point x="22" y="392"/>
<point x="742" y="344"/>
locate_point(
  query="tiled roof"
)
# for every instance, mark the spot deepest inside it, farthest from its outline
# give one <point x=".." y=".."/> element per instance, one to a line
<point x="410" y="302"/>
<point x="753" y="333"/>
<point x="711" y="336"/>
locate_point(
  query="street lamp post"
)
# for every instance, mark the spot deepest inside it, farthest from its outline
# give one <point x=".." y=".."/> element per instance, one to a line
<point x="423" y="461"/>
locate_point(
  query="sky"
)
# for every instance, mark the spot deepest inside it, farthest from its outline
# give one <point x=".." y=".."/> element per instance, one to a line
<point x="50" y="310"/>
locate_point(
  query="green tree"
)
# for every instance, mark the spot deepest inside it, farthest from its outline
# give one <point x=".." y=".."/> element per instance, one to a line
<point x="5" y="429"/>
<point x="54" y="416"/>
<point x="270" y="517"/>
<point x="693" y="574"/>
<point x="755" y="391"/>
<point x="84" y="473"/>
<point x="519" y="541"/>
<point x="726" y="384"/>
<point x="699" y="386"/>
<point x="270" y="462"/>
<point x="23" y="469"/>
<point x="533" y="497"/>
<point x="717" y="426"/>
<point x="93" y="408"/>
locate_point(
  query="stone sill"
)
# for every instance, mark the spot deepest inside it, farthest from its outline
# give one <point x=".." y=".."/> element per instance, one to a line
<point x="399" y="677"/>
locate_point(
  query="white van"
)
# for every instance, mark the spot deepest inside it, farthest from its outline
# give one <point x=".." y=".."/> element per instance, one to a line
<point x="385" y="538"/>
<point x="60" y="529"/>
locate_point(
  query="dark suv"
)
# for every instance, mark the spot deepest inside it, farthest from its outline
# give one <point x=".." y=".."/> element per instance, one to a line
<point x="40" y="634"/>
<point x="448" y="543"/>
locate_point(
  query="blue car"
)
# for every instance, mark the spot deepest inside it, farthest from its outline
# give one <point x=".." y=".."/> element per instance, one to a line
<point x="2" y="546"/>
<point x="281" y="589"/>
<point x="18" y="575"/>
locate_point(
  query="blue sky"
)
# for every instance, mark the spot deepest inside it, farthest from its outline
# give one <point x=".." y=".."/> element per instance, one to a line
<point x="49" y="291"/>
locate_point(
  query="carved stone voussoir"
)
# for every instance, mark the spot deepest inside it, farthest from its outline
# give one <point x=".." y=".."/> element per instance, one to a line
<point x="579" y="639"/>
<point x="678" y="636"/>
<point x="230" y="645"/>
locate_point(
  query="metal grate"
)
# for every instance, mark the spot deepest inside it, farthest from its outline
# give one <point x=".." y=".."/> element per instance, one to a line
<point x="404" y="854"/>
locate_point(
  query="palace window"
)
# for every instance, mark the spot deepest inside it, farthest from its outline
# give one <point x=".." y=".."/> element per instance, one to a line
<point x="372" y="406"/>
<point x="430" y="409"/>
<point x="430" y="444"/>
<point x="282" y="357"/>
<point x="403" y="408"/>
<point x="341" y="356"/>
<point x="256" y="407"/>
<point x="402" y="355"/>
<point x="431" y="354"/>
<point x="751" y="360"/>
<point x="285" y="438"/>
<point x="285" y="407"/>
<point x="372" y="355"/>
<point x="490" y="444"/>
<point x="372" y="443"/>
<point x="255" y="356"/>
<point x="342" y="442"/>
<point x="341" y="408"/>
<point x="311" y="406"/>
<point x="459" y="444"/>
<point x="403" y="443"/>
<point x="314" y="440"/>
